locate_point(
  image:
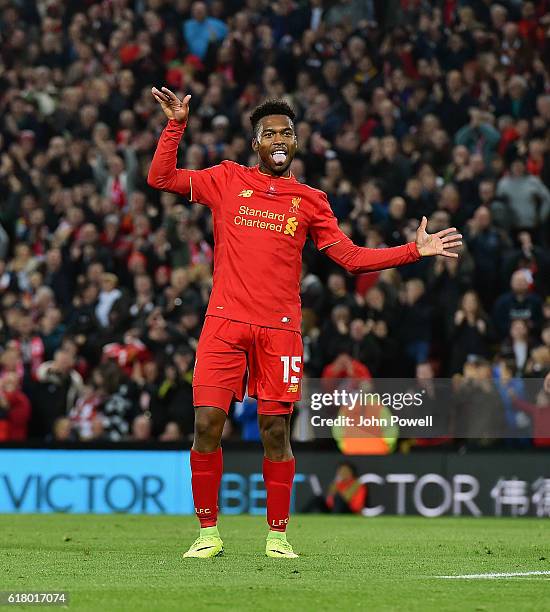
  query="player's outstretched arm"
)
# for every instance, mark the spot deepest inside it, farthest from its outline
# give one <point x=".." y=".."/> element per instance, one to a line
<point x="163" y="173"/>
<point x="358" y="259"/>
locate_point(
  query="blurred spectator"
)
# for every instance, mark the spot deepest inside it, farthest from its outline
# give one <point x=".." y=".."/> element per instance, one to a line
<point x="11" y="362"/>
<point x="55" y="392"/>
<point x="540" y="415"/>
<point x="86" y="409"/>
<point x="245" y="415"/>
<point x="454" y="102"/>
<point x="517" y="304"/>
<point x="15" y="409"/>
<point x="470" y="332"/>
<point x="415" y="322"/>
<point x="58" y="277"/>
<point x="28" y="343"/>
<point x="518" y="344"/>
<point x="526" y="197"/>
<point x="116" y="176"/>
<point x="120" y="404"/>
<point x="364" y="346"/>
<point x="107" y="297"/>
<point x="479" y="136"/>
<point x="171" y="433"/>
<point x="52" y="330"/>
<point x="480" y="417"/>
<point x="346" y="495"/>
<point x="349" y="12"/>
<point x="334" y="338"/>
<point x="201" y="30"/>
<point x="62" y="431"/>
<point x="345" y="367"/>
<point x="533" y="259"/>
<point x="174" y="399"/>
<point x="538" y="363"/>
<point x="486" y="245"/>
<point x="510" y="385"/>
<point x="141" y="429"/>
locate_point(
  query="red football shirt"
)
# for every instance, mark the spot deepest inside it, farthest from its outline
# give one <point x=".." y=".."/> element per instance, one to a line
<point x="261" y="223"/>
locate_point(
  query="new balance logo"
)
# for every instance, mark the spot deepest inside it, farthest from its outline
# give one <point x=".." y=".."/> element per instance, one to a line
<point x="245" y="193"/>
<point x="292" y="389"/>
<point x="291" y="226"/>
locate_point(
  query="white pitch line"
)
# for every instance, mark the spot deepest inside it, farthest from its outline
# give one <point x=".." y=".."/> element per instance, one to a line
<point x="495" y="575"/>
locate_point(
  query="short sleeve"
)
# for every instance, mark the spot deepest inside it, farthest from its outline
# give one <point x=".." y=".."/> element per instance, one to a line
<point x="323" y="227"/>
<point x="209" y="186"/>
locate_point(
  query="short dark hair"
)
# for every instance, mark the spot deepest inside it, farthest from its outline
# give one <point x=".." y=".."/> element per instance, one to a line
<point x="350" y="466"/>
<point x="271" y="107"/>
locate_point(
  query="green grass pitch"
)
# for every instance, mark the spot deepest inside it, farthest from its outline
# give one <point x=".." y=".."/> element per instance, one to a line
<point x="119" y="562"/>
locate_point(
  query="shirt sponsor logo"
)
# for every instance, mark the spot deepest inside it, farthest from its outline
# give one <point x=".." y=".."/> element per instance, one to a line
<point x="265" y="219"/>
<point x="246" y="193"/>
<point x="265" y="214"/>
<point x="291" y="226"/>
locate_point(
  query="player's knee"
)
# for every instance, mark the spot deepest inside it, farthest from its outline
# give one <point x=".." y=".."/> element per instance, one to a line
<point x="275" y="436"/>
<point x="208" y="429"/>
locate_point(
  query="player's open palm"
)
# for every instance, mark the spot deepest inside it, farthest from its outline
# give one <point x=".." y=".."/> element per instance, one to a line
<point x="438" y="243"/>
<point x="173" y="107"/>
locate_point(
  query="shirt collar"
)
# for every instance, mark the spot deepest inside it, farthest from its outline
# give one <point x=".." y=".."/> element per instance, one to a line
<point x="268" y="176"/>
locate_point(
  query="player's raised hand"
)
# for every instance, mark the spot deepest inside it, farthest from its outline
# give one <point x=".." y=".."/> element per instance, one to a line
<point x="438" y="243"/>
<point x="173" y="107"/>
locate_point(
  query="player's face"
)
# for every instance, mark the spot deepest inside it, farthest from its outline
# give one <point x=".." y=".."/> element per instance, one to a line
<point x="275" y="143"/>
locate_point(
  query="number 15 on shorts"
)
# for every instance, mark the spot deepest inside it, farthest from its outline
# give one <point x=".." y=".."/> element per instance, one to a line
<point x="291" y="364"/>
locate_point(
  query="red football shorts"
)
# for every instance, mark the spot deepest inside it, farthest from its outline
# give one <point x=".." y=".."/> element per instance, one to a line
<point x="230" y="353"/>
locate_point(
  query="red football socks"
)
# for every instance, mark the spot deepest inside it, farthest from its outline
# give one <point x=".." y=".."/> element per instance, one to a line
<point x="206" y="475"/>
<point x="278" y="477"/>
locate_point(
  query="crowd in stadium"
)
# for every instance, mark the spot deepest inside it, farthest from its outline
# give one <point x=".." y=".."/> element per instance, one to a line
<point x="405" y="108"/>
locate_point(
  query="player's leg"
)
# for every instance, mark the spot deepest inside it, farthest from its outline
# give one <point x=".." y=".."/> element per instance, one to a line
<point x="278" y="467"/>
<point x="277" y="369"/>
<point x="278" y="472"/>
<point x="218" y="377"/>
<point x="207" y="463"/>
<point x="206" y="475"/>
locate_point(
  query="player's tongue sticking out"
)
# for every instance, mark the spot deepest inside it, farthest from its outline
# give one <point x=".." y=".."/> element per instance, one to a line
<point x="279" y="156"/>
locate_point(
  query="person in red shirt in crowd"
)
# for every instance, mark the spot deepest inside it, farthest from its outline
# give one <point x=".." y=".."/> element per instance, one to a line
<point x="29" y="344"/>
<point x="539" y="413"/>
<point x="346" y="494"/>
<point x="262" y="216"/>
<point x="127" y="353"/>
<point x="345" y="366"/>
<point x="15" y="409"/>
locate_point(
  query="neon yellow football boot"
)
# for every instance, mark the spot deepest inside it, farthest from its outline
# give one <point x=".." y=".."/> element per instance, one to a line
<point x="207" y="545"/>
<point x="277" y="546"/>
